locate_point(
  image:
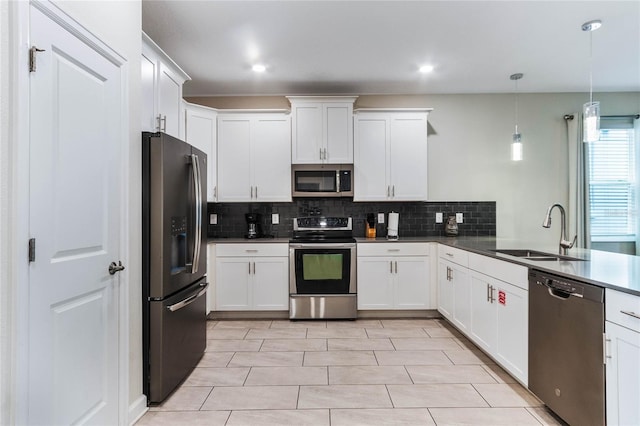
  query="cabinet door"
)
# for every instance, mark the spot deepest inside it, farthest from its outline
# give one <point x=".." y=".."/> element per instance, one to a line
<point x="512" y="329"/>
<point x="338" y="132"/>
<point x="234" y="165"/>
<point x="445" y="289"/>
<point x="623" y="375"/>
<point x="370" y="160"/>
<point x="411" y="282"/>
<point x="461" y="297"/>
<point x="306" y="141"/>
<point x="232" y="283"/>
<point x="408" y="157"/>
<point x="483" y="312"/>
<point x="270" y="283"/>
<point x="375" y="287"/>
<point x="200" y="131"/>
<point x="169" y="100"/>
<point x="271" y="158"/>
<point x="149" y="84"/>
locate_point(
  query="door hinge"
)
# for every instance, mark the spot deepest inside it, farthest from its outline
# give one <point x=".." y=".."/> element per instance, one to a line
<point x="32" y="250"/>
<point x="32" y="58"/>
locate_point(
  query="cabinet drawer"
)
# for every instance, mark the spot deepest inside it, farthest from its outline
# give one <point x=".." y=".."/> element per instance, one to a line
<point x="620" y="308"/>
<point x="500" y="269"/>
<point x="252" y="250"/>
<point x="461" y="257"/>
<point x="393" y="249"/>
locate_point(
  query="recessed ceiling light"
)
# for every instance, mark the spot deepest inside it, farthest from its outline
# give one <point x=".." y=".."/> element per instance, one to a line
<point x="259" y="68"/>
<point x="426" y="68"/>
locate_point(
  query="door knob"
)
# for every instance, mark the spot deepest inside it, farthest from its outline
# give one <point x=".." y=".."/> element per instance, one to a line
<point x="113" y="267"/>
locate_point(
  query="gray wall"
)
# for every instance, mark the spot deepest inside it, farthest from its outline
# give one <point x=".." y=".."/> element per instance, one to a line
<point x="469" y="149"/>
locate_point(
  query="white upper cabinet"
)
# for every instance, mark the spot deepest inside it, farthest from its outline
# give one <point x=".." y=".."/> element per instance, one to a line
<point x="322" y="129"/>
<point x="200" y="131"/>
<point x="162" y="81"/>
<point x="254" y="157"/>
<point x="390" y="155"/>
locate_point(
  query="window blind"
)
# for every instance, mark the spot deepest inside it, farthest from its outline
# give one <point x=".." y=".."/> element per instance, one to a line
<point x="612" y="182"/>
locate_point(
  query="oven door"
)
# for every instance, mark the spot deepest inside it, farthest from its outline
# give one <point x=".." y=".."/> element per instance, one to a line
<point x="322" y="268"/>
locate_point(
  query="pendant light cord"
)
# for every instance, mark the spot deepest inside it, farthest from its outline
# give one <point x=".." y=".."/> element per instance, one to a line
<point x="590" y="67"/>
<point x="516" y="105"/>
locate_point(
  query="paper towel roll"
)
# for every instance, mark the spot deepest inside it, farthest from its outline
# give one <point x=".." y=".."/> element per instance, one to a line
<point x="392" y="229"/>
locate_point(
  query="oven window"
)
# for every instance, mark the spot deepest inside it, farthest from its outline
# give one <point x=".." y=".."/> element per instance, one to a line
<point x="322" y="271"/>
<point x="315" y="181"/>
<point x="322" y="266"/>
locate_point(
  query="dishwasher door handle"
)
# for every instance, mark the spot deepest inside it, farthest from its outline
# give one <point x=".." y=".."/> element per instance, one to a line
<point x="558" y="294"/>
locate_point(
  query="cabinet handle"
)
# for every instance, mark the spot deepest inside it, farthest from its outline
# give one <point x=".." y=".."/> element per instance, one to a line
<point x="249" y="268"/>
<point x="388" y="190"/>
<point x="449" y="254"/>
<point x="162" y="120"/>
<point x="325" y="153"/>
<point x="631" y="314"/>
<point x="393" y="190"/>
<point x="251" y="250"/>
<point x="254" y="268"/>
<point x="215" y="192"/>
<point x="493" y="299"/>
<point x="488" y="297"/>
<point x="390" y="267"/>
<point x="605" y="348"/>
<point x="393" y="249"/>
<point x="396" y="266"/>
<point x="256" y="192"/>
<point x="320" y="154"/>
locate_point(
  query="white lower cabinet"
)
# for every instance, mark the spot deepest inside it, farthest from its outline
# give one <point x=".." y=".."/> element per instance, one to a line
<point x="487" y="300"/>
<point x="499" y="322"/>
<point x="393" y="276"/>
<point x="623" y="358"/>
<point x="252" y="277"/>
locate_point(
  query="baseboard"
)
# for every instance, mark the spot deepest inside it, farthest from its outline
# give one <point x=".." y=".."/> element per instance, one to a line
<point x="273" y="315"/>
<point x="137" y="409"/>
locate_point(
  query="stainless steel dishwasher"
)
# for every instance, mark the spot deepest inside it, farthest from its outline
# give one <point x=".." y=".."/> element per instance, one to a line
<point x="566" y="358"/>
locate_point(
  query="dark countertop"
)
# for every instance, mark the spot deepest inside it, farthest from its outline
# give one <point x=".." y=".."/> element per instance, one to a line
<point x="609" y="270"/>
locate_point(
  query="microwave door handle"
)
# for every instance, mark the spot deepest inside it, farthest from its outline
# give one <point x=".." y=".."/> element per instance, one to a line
<point x="338" y="180"/>
<point x="197" y="229"/>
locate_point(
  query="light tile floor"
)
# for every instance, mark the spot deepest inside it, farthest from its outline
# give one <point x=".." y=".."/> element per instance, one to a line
<point x="339" y="373"/>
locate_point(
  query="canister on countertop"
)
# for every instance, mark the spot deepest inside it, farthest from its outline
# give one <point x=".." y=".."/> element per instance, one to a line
<point x="370" y="231"/>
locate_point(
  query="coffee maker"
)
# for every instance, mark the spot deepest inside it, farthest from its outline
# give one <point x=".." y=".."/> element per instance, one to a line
<point x="254" y="225"/>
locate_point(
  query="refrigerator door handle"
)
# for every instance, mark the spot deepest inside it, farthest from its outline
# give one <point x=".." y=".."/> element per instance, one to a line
<point x="187" y="301"/>
<point x="197" y="188"/>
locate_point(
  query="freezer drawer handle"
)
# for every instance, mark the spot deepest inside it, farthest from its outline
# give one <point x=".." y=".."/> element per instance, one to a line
<point x="188" y="300"/>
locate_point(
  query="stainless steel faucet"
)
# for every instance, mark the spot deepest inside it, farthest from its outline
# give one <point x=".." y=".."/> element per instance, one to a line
<point x="564" y="243"/>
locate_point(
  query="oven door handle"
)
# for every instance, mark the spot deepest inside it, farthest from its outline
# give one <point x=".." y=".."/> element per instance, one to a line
<point x="321" y="245"/>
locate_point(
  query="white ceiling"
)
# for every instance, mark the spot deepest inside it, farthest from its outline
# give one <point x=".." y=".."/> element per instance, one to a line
<point x="376" y="47"/>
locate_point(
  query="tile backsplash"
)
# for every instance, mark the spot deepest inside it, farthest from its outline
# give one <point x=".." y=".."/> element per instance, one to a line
<point x="417" y="219"/>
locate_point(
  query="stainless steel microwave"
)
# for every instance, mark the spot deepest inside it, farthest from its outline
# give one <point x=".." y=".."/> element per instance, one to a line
<point x="322" y="180"/>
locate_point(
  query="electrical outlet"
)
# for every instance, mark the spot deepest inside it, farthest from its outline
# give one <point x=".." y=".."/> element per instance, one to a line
<point x="380" y="217"/>
<point x="213" y="219"/>
<point x="458" y="217"/>
<point x="439" y="217"/>
<point x="275" y="219"/>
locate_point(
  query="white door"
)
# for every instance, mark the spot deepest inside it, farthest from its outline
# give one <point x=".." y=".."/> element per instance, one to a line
<point x="234" y="169"/>
<point x="623" y="375"/>
<point x="271" y="158"/>
<point x="338" y="132"/>
<point x="370" y="160"/>
<point x="408" y="157"/>
<point x="445" y="289"/>
<point x="375" y="285"/>
<point x="270" y="288"/>
<point x="412" y="282"/>
<point x="307" y="133"/>
<point x="200" y="131"/>
<point x="170" y="100"/>
<point x="512" y="329"/>
<point x="75" y="195"/>
<point x="233" y="276"/>
<point x="483" y="311"/>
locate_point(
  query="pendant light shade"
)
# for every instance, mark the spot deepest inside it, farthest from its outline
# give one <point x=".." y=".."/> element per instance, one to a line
<point x="591" y="110"/>
<point x="516" y="140"/>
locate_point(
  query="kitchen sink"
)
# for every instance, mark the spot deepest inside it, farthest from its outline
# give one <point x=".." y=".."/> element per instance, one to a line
<point x="536" y="255"/>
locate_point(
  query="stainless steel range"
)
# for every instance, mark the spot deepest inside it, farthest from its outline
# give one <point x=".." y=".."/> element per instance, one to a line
<point x="322" y="262"/>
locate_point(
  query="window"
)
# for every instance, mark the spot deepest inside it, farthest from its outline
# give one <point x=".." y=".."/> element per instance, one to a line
<point x="613" y="190"/>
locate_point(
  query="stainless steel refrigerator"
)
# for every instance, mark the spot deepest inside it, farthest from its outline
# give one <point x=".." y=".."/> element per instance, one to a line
<point x="174" y="260"/>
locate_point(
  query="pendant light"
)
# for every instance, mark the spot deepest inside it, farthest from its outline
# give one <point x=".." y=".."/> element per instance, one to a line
<point x="591" y="110"/>
<point x="516" y="141"/>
